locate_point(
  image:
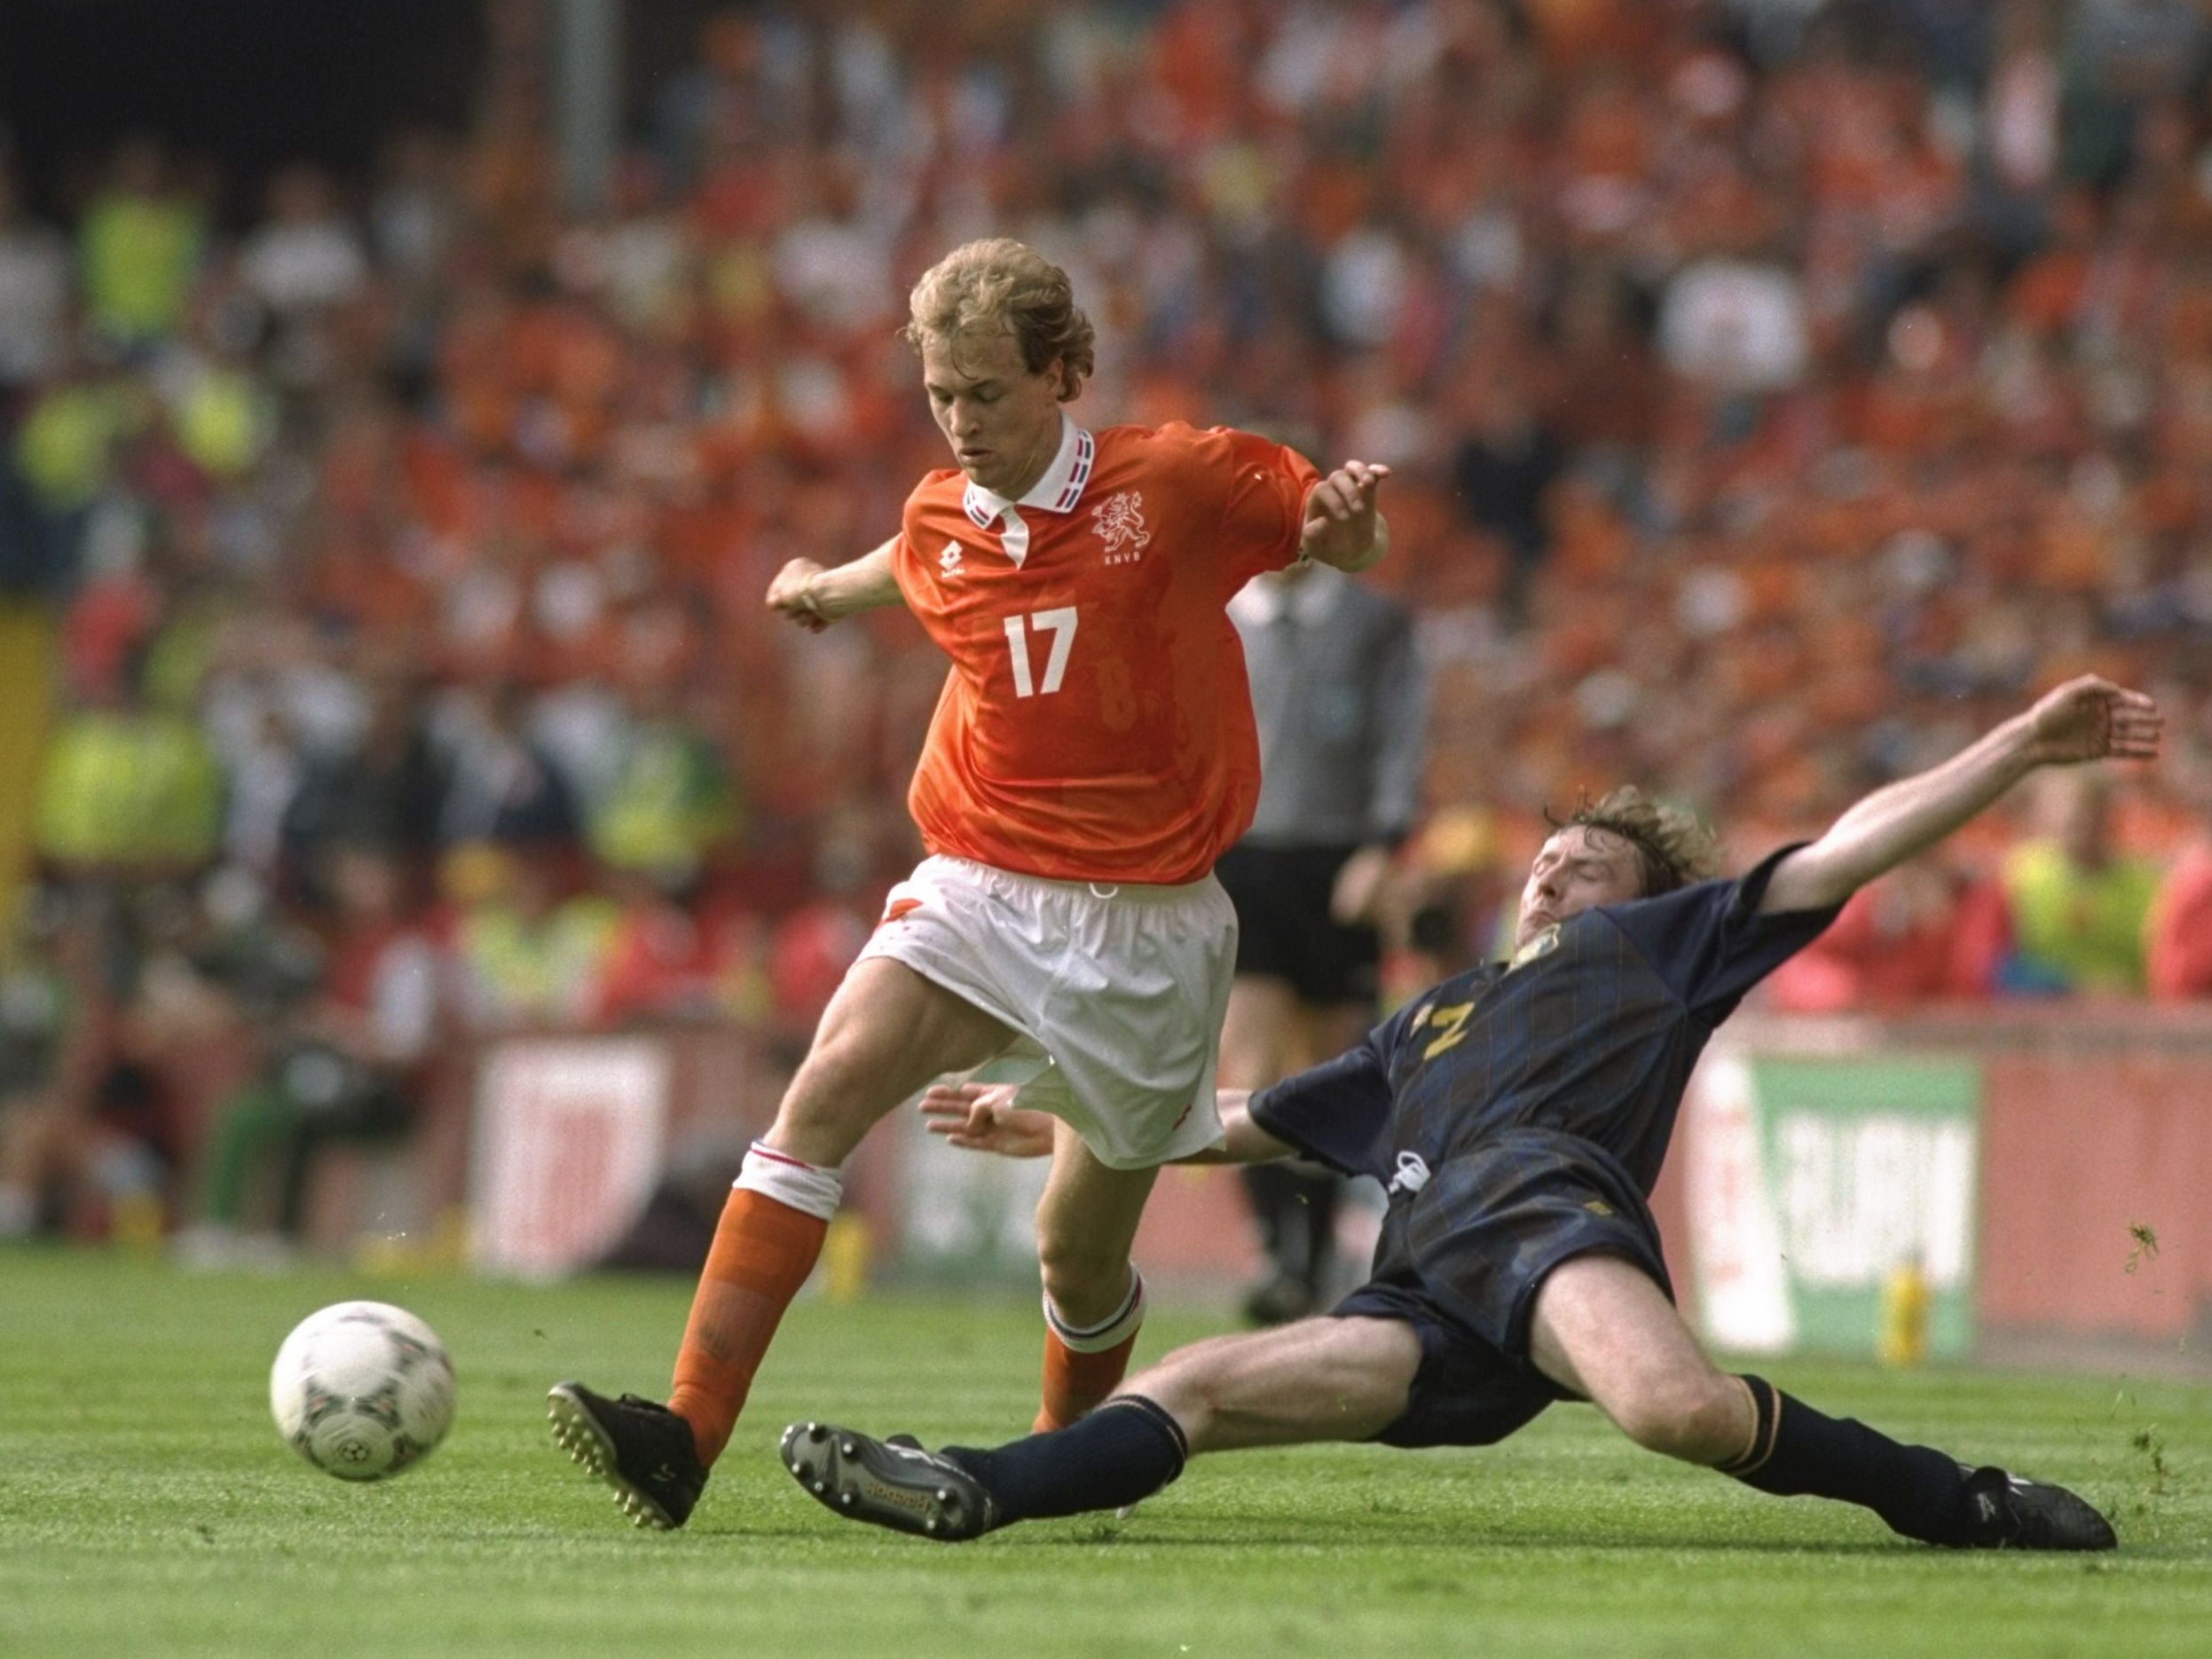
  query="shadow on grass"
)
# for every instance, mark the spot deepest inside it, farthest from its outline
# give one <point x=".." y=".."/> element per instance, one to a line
<point x="1077" y="1534"/>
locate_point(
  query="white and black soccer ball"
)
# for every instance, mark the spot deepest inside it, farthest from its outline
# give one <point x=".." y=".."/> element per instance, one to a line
<point x="362" y="1389"/>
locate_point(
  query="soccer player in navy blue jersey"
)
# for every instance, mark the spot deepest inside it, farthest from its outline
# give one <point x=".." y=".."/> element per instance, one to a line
<point x="1518" y="1114"/>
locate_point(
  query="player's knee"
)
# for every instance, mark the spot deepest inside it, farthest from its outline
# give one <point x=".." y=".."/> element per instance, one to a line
<point x="1693" y="1417"/>
<point x="1203" y="1385"/>
<point x="1181" y="1390"/>
<point x="1081" y="1279"/>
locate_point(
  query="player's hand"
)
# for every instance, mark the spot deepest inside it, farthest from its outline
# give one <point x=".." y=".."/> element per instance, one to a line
<point x="983" y="1118"/>
<point x="1356" y="898"/>
<point x="1341" y="519"/>
<point x="2091" y="719"/>
<point x="791" y="593"/>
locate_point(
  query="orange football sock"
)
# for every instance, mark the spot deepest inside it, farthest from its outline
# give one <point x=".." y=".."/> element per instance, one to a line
<point x="763" y="1250"/>
<point x="1074" y="1382"/>
<point x="1083" y="1366"/>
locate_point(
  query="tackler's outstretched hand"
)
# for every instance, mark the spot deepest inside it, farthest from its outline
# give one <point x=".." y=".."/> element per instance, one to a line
<point x="2084" y="719"/>
<point x="2091" y="719"/>
<point x="983" y="1118"/>
<point x="1342" y="527"/>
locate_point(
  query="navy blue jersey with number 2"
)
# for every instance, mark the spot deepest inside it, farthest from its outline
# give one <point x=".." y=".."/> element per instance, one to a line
<point x="1590" y="1031"/>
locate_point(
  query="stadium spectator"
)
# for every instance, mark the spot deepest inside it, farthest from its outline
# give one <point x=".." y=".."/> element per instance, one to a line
<point x="129" y="789"/>
<point x="1734" y="325"/>
<point x="1340" y="705"/>
<point x="260" y="777"/>
<point x="1508" y="458"/>
<point x="1074" y="794"/>
<point x="218" y="405"/>
<point x="413" y="213"/>
<point x="1897" y="942"/>
<point x="677" y="955"/>
<point x="2177" y="945"/>
<point x="140" y="247"/>
<point x="69" y="436"/>
<point x="188" y="971"/>
<point x="672" y="802"/>
<point x="500" y="784"/>
<point x="381" y="792"/>
<point x="304" y="255"/>
<point x="50" y="1004"/>
<point x="529" y="953"/>
<point x="345" y="1063"/>
<point x="1520" y="1114"/>
<point x="2071" y="906"/>
<point x="814" y="945"/>
<point x="35" y="272"/>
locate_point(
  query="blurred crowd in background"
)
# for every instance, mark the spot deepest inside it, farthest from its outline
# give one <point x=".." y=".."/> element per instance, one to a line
<point x="1777" y="393"/>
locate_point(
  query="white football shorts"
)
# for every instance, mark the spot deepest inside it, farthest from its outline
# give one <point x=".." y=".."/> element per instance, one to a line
<point x="1117" y="994"/>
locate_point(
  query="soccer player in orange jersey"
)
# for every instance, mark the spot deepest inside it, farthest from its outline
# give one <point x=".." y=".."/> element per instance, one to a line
<point x="1092" y="754"/>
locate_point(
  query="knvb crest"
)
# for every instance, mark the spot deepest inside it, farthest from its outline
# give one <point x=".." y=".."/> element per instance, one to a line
<point x="1120" y="522"/>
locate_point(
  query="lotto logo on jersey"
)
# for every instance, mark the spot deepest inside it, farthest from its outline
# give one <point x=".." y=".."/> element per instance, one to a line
<point x="1120" y="522"/>
<point x="949" y="561"/>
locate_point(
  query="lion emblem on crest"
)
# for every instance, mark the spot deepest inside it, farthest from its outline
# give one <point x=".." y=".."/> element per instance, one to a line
<point x="1120" y="522"/>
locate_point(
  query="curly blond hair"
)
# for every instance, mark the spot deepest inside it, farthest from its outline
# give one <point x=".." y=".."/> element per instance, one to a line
<point x="1673" y="848"/>
<point x="1000" y="284"/>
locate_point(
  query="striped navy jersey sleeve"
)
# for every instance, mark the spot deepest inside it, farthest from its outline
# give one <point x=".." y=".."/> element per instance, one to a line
<point x="1709" y="942"/>
<point x="1338" y="1112"/>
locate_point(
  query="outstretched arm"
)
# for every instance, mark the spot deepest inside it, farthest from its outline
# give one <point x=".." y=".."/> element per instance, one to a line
<point x="815" y="595"/>
<point x="2087" y="719"/>
<point x="987" y="1117"/>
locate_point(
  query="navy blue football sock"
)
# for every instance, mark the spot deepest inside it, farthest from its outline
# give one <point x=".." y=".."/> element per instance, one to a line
<point x="1127" y="1449"/>
<point x="1920" y="1491"/>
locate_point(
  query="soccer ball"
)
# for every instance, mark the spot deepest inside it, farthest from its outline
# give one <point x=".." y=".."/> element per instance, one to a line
<point x="362" y="1389"/>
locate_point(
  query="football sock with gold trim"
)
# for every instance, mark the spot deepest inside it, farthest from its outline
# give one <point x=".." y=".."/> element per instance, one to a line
<point x="1797" y="1452"/>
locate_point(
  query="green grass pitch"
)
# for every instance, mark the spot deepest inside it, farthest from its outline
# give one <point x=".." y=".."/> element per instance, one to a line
<point x="146" y="1507"/>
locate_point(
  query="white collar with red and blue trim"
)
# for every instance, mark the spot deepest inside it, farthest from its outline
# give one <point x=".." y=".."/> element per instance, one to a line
<point x="1057" y="491"/>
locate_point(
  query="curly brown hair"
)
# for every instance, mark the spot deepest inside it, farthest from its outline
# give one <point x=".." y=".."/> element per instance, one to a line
<point x="1002" y="284"/>
<point x="1673" y="848"/>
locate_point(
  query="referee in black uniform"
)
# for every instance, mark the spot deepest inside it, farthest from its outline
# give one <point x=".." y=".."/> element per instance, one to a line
<point x="1338" y="695"/>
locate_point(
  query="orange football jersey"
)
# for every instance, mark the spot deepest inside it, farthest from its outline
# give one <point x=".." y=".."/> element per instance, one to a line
<point x="1096" y="725"/>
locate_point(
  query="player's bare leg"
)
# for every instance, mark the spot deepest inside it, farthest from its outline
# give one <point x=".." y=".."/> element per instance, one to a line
<point x="1320" y="1380"/>
<point x="1268" y="1034"/>
<point x="886" y="1032"/>
<point x="1601" y="1327"/>
<point x="1325" y="1030"/>
<point x="1094" y="1299"/>
<point x="1259" y="1031"/>
<point x="1329" y="1028"/>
